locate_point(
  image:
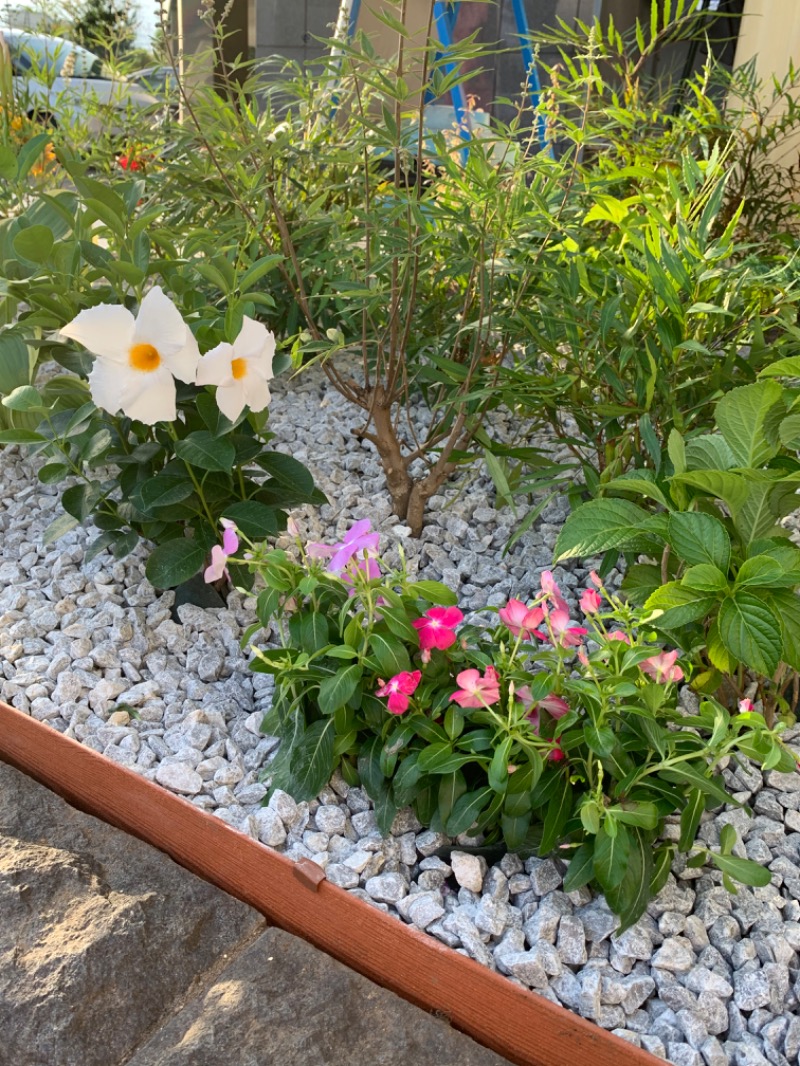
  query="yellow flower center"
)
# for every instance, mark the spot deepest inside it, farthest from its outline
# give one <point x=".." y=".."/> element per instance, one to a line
<point x="238" y="368"/>
<point x="144" y="357"/>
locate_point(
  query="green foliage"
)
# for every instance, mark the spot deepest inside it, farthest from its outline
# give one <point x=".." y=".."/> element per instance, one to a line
<point x="585" y="755"/>
<point x="723" y="574"/>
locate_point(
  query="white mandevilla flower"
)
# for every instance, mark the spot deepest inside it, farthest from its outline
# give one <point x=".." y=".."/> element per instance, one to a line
<point x="137" y="359"/>
<point x="240" y="370"/>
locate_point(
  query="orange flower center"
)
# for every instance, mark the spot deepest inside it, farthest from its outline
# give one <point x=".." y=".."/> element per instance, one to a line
<point x="238" y="368"/>
<point x="144" y="357"/>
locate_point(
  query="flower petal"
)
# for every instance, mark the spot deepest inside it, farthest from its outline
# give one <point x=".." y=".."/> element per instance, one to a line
<point x="184" y="363"/>
<point x="230" y="400"/>
<point x="149" y="398"/>
<point x="214" y="368"/>
<point x="215" y="571"/>
<point x="255" y="342"/>
<point x="256" y="392"/>
<point x="159" y="323"/>
<point x="105" y="330"/>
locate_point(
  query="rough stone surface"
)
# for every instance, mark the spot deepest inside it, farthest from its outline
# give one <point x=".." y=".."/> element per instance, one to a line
<point x="281" y="1001"/>
<point x="100" y="933"/>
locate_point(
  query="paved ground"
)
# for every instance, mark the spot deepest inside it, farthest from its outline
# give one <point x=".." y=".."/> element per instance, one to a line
<point x="112" y="955"/>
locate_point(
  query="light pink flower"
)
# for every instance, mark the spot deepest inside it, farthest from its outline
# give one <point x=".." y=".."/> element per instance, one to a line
<point x="565" y="635"/>
<point x="552" y="591"/>
<point x="520" y="620"/>
<point x="583" y="656"/>
<point x="523" y="694"/>
<point x="591" y="601"/>
<point x="619" y="635"/>
<point x="219" y="555"/>
<point x="436" y="627"/>
<point x="595" y="579"/>
<point x="398" y="689"/>
<point x="662" y="667"/>
<point x="477" y="691"/>
<point x="746" y="706"/>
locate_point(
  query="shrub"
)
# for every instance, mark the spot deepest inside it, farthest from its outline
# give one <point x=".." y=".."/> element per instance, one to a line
<point x="525" y="730"/>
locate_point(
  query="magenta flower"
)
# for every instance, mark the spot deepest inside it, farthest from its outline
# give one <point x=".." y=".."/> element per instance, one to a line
<point x="436" y="627"/>
<point x="359" y="544"/>
<point x="555" y="706"/>
<point x="219" y="555"/>
<point x="591" y="601"/>
<point x="556" y="755"/>
<point x="520" y="620"/>
<point x="746" y="706"/>
<point x="477" y="691"/>
<point x="662" y="667"/>
<point x="564" y="634"/>
<point x="398" y="689"/>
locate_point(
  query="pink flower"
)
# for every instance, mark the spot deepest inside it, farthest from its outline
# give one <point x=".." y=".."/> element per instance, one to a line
<point x="556" y="755"/>
<point x="595" y="579"/>
<point x="591" y="601"/>
<point x="555" y="706"/>
<point x="746" y="706"/>
<point x="219" y="555"/>
<point x="565" y="635"/>
<point x="477" y="691"/>
<point x="358" y="541"/>
<point x="583" y="657"/>
<point x="398" y="689"/>
<point x="662" y="667"/>
<point x="523" y="694"/>
<point x="436" y="627"/>
<point x="619" y="635"/>
<point x="519" y="620"/>
<point x="552" y="591"/>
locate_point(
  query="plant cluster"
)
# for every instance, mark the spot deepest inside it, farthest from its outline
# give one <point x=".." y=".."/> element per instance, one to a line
<point x="538" y="731"/>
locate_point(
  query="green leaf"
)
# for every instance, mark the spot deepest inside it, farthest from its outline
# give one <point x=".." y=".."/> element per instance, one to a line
<point x="559" y="808"/>
<point x="314" y="631"/>
<point x="630" y="897"/>
<point x="78" y="500"/>
<point x="452" y="787"/>
<point x="390" y="654"/>
<point x="611" y="856"/>
<point x="675" y="605"/>
<point x="498" y="767"/>
<point x="783" y="368"/>
<point x="256" y="520"/>
<point x="748" y="418"/>
<point x="467" y="809"/>
<point x="727" y="838"/>
<point x="433" y="592"/>
<point x="677" y="451"/>
<point x="161" y="491"/>
<point x="24" y="398"/>
<point x="751" y="632"/>
<point x="58" y="527"/>
<point x="312" y="760"/>
<point x="335" y="691"/>
<point x="744" y="870"/>
<point x="205" y="452"/>
<point x="638" y="484"/>
<point x="687" y="774"/>
<point x="8" y="163"/>
<point x="759" y="570"/>
<point x="53" y="472"/>
<point x="690" y="818"/>
<point x="257" y="270"/>
<point x="288" y="471"/>
<point x="439" y="758"/>
<point x="786" y="606"/>
<point x="34" y="243"/>
<point x="581" y="867"/>
<point x="709" y="451"/>
<point x="662" y="867"/>
<point x="732" y="489"/>
<point x="700" y="538"/>
<point x="174" y="562"/>
<point x="640" y="813"/>
<point x="789" y="432"/>
<point x="598" y="526"/>
<point x="705" y="578"/>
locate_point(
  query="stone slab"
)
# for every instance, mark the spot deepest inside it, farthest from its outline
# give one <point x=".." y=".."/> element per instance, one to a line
<point x="283" y="1003"/>
<point x="101" y="935"/>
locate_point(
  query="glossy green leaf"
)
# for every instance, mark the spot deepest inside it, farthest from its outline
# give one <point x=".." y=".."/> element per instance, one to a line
<point x="174" y="562"/>
<point x="700" y="538"/>
<point x="335" y="691"/>
<point x="205" y="452"/>
<point x="750" y="631"/>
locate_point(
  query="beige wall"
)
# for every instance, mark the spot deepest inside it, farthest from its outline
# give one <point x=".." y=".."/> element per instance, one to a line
<point x="770" y="31"/>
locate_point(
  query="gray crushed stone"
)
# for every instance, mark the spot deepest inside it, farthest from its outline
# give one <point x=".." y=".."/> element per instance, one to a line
<point x="703" y="979"/>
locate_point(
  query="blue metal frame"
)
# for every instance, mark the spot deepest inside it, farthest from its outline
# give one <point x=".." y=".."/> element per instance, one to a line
<point x="445" y="21"/>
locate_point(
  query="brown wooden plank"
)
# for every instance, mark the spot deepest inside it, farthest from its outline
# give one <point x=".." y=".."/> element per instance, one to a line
<point x="525" y="1028"/>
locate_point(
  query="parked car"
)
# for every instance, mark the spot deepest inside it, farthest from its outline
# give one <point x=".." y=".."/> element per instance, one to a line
<point x="54" y="78"/>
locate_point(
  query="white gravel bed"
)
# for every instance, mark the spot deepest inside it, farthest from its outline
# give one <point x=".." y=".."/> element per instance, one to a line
<point x="703" y="978"/>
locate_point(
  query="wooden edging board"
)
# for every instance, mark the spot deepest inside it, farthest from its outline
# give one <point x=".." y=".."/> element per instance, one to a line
<point x="525" y="1028"/>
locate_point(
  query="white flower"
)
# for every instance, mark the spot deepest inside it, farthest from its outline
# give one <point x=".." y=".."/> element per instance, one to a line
<point x="240" y="370"/>
<point x="137" y="359"/>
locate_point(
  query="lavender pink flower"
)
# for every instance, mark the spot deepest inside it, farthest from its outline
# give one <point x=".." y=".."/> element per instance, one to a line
<point x="662" y="667"/>
<point x="220" y="554"/>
